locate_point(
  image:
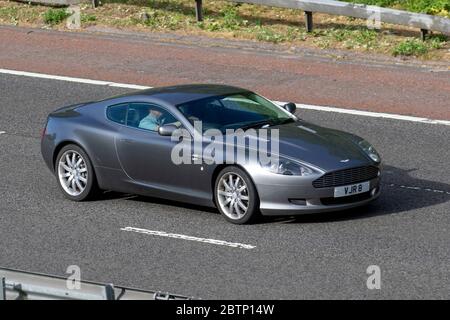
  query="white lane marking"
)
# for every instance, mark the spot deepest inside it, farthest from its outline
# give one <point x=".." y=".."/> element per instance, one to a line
<point x="128" y="86"/>
<point x="190" y="238"/>
<point x="302" y="106"/>
<point x="72" y="79"/>
<point x="369" y="114"/>
<point x="418" y="188"/>
<point x="2" y="132"/>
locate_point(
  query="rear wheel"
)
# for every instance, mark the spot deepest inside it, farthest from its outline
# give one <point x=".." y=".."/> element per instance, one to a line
<point x="75" y="173"/>
<point x="236" y="196"/>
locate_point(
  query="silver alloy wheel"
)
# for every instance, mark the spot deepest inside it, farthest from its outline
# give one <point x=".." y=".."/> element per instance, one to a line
<point x="73" y="173"/>
<point x="232" y="195"/>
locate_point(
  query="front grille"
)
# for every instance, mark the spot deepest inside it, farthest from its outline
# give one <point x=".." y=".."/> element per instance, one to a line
<point x="345" y="200"/>
<point x="346" y="176"/>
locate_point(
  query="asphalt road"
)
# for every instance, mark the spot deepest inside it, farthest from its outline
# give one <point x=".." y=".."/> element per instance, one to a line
<point x="406" y="232"/>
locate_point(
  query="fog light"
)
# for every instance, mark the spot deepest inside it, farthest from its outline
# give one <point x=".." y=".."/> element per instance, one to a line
<point x="374" y="191"/>
<point x="298" y="202"/>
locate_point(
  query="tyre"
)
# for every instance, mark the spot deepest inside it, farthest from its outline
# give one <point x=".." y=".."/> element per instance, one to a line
<point x="75" y="174"/>
<point x="236" y="196"/>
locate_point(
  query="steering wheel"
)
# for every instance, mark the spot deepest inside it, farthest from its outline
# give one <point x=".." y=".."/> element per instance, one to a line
<point x="193" y="119"/>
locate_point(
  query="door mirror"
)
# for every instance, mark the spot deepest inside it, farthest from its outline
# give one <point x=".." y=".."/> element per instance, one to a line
<point x="167" y="129"/>
<point x="291" y="107"/>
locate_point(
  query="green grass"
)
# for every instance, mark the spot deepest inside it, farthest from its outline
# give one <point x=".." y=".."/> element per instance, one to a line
<point x="350" y="37"/>
<point x="410" y="47"/>
<point x="88" y="18"/>
<point x="269" y="35"/>
<point x="228" y="19"/>
<point x="231" y="18"/>
<point x="416" y="47"/>
<point x="55" y="16"/>
<point x="158" y="20"/>
<point x="362" y="38"/>
<point x="9" y="13"/>
<point x="435" y="7"/>
<point x="437" y="41"/>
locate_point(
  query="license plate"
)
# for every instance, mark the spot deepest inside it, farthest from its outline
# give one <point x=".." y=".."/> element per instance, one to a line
<point x="351" y="189"/>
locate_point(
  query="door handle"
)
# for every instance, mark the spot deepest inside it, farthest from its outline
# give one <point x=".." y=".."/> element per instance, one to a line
<point x="126" y="140"/>
<point x="203" y="158"/>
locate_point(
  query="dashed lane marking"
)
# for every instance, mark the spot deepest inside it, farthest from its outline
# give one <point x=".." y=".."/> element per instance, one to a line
<point x="189" y="238"/>
<point x="419" y="188"/>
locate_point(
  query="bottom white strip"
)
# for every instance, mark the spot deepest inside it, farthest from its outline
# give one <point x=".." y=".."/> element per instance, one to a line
<point x="189" y="238"/>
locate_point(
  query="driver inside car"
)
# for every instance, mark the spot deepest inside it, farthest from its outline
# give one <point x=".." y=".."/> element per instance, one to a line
<point x="152" y="120"/>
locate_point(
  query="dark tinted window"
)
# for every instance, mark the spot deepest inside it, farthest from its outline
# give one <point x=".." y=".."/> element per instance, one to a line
<point x="234" y="111"/>
<point x="149" y="117"/>
<point x="117" y="113"/>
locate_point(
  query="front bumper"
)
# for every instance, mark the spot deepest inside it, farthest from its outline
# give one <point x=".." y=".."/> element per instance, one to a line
<point x="305" y="199"/>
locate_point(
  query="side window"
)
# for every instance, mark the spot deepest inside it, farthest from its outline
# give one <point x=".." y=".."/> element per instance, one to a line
<point x="117" y="113"/>
<point x="149" y="117"/>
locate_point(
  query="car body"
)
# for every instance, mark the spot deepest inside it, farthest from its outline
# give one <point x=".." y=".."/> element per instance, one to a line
<point x="129" y="159"/>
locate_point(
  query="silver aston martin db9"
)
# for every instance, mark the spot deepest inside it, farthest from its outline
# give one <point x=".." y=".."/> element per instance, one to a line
<point x="147" y="143"/>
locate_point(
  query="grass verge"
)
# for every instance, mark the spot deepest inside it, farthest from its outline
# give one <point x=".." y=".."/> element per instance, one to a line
<point x="55" y="16"/>
<point x="243" y="21"/>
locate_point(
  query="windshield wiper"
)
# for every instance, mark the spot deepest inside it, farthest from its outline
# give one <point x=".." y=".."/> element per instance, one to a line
<point x="288" y="120"/>
<point x="257" y="124"/>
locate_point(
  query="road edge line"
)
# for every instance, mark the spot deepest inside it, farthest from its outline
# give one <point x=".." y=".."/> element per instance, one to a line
<point x="372" y="114"/>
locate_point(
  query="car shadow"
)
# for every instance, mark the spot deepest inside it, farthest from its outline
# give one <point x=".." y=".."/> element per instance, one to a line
<point x="400" y="193"/>
<point x="112" y="195"/>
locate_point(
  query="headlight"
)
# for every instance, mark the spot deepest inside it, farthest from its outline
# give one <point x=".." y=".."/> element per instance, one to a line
<point x="289" y="168"/>
<point x="370" y="151"/>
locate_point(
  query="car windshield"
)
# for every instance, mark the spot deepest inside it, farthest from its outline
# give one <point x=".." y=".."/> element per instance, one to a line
<point x="243" y="110"/>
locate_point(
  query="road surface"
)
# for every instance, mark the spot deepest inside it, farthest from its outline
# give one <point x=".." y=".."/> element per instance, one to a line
<point x="406" y="232"/>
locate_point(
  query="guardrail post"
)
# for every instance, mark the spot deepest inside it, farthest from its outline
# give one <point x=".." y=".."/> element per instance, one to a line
<point x="109" y="292"/>
<point x="199" y="10"/>
<point x="423" y="34"/>
<point x="2" y="289"/>
<point x="309" y="21"/>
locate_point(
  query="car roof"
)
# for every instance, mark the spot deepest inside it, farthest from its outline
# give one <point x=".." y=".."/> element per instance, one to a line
<point x="180" y="94"/>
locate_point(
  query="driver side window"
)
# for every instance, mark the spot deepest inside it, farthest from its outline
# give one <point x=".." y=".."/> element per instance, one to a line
<point x="148" y="117"/>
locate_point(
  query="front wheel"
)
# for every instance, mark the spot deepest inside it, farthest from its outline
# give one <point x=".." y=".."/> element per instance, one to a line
<point x="75" y="173"/>
<point x="236" y="196"/>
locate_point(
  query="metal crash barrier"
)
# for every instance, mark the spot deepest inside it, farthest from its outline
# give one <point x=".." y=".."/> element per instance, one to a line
<point x="424" y="22"/>
<point x="21" y="285"/>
